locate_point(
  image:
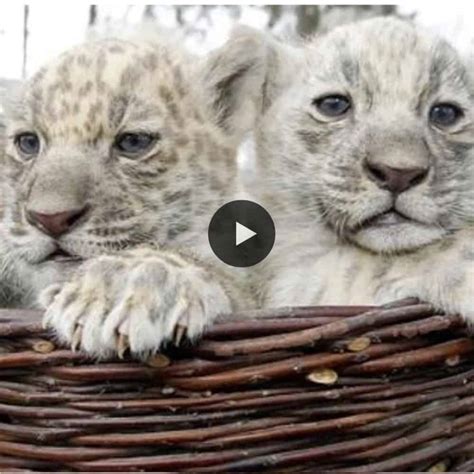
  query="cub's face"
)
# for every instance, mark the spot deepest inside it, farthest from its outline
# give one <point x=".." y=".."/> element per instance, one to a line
<point x="118" y="143"/>
<point x="374" y="136"/>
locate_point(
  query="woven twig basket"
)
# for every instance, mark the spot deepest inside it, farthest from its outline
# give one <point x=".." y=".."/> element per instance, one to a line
<point x="326" y="388"/>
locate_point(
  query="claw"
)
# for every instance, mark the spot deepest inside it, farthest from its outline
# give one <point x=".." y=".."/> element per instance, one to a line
<point x="48" y="295"/>
<point x="122" y="345"/>
<point x="179" y="334"/>
<point x="76" y="338"/>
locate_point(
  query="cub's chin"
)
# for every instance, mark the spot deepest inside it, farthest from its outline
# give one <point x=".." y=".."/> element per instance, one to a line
<point x="391" y="233"/>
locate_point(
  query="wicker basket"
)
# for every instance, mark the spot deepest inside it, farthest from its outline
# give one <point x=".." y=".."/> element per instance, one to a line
<point x="326" y="388"/>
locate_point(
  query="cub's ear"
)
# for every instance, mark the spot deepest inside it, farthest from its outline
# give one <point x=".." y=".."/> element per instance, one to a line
<point x="233" y="77"/>
<point x="11" y="99"/>
<point x="469" y="62"/>
<point x="284" y="63"/>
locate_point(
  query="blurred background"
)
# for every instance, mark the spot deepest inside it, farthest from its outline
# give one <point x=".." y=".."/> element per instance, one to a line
<point x="32" y="34"/>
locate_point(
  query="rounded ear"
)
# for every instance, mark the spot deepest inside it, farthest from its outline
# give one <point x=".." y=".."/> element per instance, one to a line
<point x="282" y="65"/>
<point x="233" y="77"/>
<point x="11" y="98"/>
<point x="469" y="61"/>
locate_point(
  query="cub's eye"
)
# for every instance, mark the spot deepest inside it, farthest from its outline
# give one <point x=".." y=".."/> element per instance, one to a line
<point x="333" y="105"/>
<point x="134" y="144"/>
<point x="28" y="144"/>
<point x="445" y="115"/>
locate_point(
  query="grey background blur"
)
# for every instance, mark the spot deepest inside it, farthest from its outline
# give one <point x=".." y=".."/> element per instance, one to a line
<point x="33" y="34"/>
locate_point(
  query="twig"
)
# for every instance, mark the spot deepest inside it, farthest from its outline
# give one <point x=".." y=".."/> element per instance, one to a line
<point x="58" y="454"/>
<point x="182" y="460"/>
<point x="177" y="436"/>
<point x="291" y="366"/>
<point x="309" y="337"/>
<point x="405" y="460"/>
<point x="29" y="358"/>
<point x="416" y="358"/>
<point x="302" y="456"/>
<point x="416" y="328"/>
<point x="295" y="430"/>
<point x="446" y="428"/>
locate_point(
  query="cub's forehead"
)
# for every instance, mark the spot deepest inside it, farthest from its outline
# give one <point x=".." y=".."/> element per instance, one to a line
<point x="97" y="68"/>
<point x="388" y="56"/>
<point x="93" y="86"/>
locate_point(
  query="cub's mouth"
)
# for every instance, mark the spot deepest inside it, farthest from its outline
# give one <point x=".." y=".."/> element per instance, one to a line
<point x="62" y="256"/>
<point x="392" y="217"/>
<point x="392" y="232"/>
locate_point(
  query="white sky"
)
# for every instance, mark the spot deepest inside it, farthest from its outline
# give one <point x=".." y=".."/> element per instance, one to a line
<point x="55" y="27"/>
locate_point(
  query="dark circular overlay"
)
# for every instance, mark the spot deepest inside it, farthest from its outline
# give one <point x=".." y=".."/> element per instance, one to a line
<point x="222" y="233"/>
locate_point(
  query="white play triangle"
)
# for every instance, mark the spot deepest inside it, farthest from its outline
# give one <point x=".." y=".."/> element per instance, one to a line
<point x="242" y="233"/>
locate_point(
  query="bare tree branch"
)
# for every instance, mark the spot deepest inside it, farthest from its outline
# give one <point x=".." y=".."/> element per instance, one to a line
<point x="92" y="15"/>
<point x="149" y="12"/>
<point x="26" y="14"/>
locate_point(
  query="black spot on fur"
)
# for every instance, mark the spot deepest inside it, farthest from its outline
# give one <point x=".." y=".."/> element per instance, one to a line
<point x="311" y="139"/>
<point x="349" y="69"/>
<point x="117" y="109"/>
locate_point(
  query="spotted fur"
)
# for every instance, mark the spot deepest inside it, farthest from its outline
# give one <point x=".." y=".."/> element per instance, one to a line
<point x="331" y="246"/>
<point x="142" y="266"/>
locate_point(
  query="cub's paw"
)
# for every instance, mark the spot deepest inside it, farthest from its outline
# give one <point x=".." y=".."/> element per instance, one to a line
<point x="453" y="290"/>
<point x="139" y="301"/>
<point x="449" y="288"/>
<point x="460" y="292"/>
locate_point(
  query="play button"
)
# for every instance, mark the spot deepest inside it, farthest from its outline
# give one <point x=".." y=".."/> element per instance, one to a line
<point x="241" y="233"/>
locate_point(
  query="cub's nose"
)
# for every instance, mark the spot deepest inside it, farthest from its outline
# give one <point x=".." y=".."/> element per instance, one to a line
<point x="395" y="180"/>
<point x="55" y="224"/>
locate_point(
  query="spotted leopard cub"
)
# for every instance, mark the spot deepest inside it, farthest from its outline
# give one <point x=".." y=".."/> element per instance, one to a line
<point x="117" y="155"/>
<point x="366" y="161"/>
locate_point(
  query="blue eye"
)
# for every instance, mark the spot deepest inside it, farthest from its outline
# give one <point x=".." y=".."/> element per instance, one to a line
<point x="28" y="144"/>
<point x="333" y="105"/>
<point x="445" y="114"/>
<point x="134" y="144"/>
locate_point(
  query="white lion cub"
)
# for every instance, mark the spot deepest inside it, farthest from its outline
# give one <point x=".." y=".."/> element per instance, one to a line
<point x="118" y="154"/>
<point x="365" y="152"/>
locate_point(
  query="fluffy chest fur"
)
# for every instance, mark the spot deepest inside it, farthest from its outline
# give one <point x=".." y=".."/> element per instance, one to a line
<point x="306" y="269"/>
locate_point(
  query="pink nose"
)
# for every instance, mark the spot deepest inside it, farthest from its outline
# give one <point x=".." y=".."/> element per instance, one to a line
<point x="55" y="224"/>
<point x="395" y="180"/>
